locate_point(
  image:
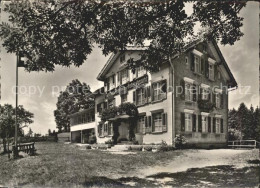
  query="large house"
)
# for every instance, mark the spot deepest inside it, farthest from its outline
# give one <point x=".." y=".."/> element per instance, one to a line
<point x="188" y="97"/>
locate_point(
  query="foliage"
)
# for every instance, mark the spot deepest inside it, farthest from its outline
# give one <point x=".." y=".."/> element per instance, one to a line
<point x="30" y="132"/>
<point x="180" y="141"/>
<point x="109" y="142"/>
<point x="205" y="105"/>
<point x="92" y="139"/>
<point x="109" y="113"/>
<point x="244" y="123"/>
<point x="7" y="121"/>
<point x="124" y="108"/>
<point x="76" y="97"/>
<point x="164" y="147"/>
<point x="63" y="32"/>
<point x="148" y="148"/>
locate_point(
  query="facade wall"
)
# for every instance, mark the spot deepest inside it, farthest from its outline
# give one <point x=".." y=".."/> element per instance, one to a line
<point x="173" y="105"/>
<point x="182" y="69"/>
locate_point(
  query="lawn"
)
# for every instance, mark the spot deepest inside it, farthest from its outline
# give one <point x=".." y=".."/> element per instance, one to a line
<point x="63" y="165"/>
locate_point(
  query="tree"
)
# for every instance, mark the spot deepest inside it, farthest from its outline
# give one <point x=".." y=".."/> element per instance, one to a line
<point x="49" y="132"/>
<point x="234" y="131"/>
<point x="63" y="32"/>
<point x="244" y="123"/>
<point x="257" y="124"/>
<point x="7" y="121"/>
<point x="30" y="132"/>
<point x="74" y="98"/>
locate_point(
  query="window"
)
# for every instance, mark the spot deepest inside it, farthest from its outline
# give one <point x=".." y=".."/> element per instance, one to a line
<point x="122" y="58"/>
<point x="124" y="76"/>
<point x="111" y="82"/>
<point x="99" y="108"/>
<point x="197" y="62"/>
<point x="123" y="98"/>
<point x="140" y="125"/>
<point x="217" y="100"/>
<point x="140" y="96"/>
<point x="205" y="94"/>
<point x="188" y="122"/>
<point x="211" y="71"/>
<point x="159" y="90"/>
<point x="140" y="71"/>
<point x="188" y="91"/>
<point x="110" y="129"/>
<point x="157" y="122"/>
<point x="217" y="125"/>
<point x="204" y="122"/>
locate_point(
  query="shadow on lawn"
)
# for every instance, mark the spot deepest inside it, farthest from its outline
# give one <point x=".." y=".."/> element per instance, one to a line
<point x="221" y="176"/>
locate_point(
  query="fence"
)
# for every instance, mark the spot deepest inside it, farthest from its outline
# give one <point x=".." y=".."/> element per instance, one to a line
<point x="244" y="144"/>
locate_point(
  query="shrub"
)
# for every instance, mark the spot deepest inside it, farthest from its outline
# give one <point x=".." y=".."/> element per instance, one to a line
<point x="92" y="139"/>
<point x="109" y="142"/>
<point x="88" y="147"/>
<point x="135" y="148"/>
<point x="180" y="141"/>
<point x="165" y="147"/>
<point x="148" y="148"/>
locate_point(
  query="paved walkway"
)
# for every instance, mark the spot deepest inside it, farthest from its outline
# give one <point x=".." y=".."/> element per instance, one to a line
<point x="203" y="158"/>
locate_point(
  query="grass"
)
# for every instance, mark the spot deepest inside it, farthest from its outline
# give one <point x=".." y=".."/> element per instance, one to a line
<point x="66" y="165"/>
<point x="60" y="165"/>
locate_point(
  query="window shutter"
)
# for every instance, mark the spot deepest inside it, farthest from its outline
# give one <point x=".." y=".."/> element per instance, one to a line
<point x="222" y="126"/>
<point x="149" y="91"/>
<point x="206" y="68"/>
<point x="194" y="122"/>
<point x="200" y="123"/>
<point x="182" y="89"/>
<point x="134" y="97"/>
<point x="194" y="93"/>
<point x="182" y="121"/>
<point x="214" y="124"/>
<point x="209" y="96"/>
<point x="214" y="98"/>
<point x="221" y="100"/>
<point x="164" y="122"/>
<point x="152" y="92"/>
<point x="127" y="73"/>
<point x="209" y="124"/>
<point x="149" y="123"/>
<point x="200" y="93"/>
<point x="192" y="62"/>
<point x="118" y="78"/>
<point x="202" y="66"/>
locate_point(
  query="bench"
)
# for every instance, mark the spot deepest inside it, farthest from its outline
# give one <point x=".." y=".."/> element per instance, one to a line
<point x="26" y="148"/>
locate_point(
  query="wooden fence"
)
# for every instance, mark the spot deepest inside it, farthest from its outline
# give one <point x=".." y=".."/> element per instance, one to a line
<point x="244" y="144"/>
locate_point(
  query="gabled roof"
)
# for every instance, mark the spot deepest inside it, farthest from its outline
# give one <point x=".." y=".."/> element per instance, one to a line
<point x="232" y="82"/>
<point x="113" y="57"/>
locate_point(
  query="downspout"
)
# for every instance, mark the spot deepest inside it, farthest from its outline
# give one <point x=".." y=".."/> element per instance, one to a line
<point x="173" y="102"/>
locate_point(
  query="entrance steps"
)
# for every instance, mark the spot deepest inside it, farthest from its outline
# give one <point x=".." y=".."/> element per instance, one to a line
<point x="119" y="147"/>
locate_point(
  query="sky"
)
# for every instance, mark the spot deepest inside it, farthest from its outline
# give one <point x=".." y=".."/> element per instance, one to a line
<point x="242" y="59"/>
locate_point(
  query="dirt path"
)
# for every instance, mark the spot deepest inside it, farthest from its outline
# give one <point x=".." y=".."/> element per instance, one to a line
<point x="203" y="158"/>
